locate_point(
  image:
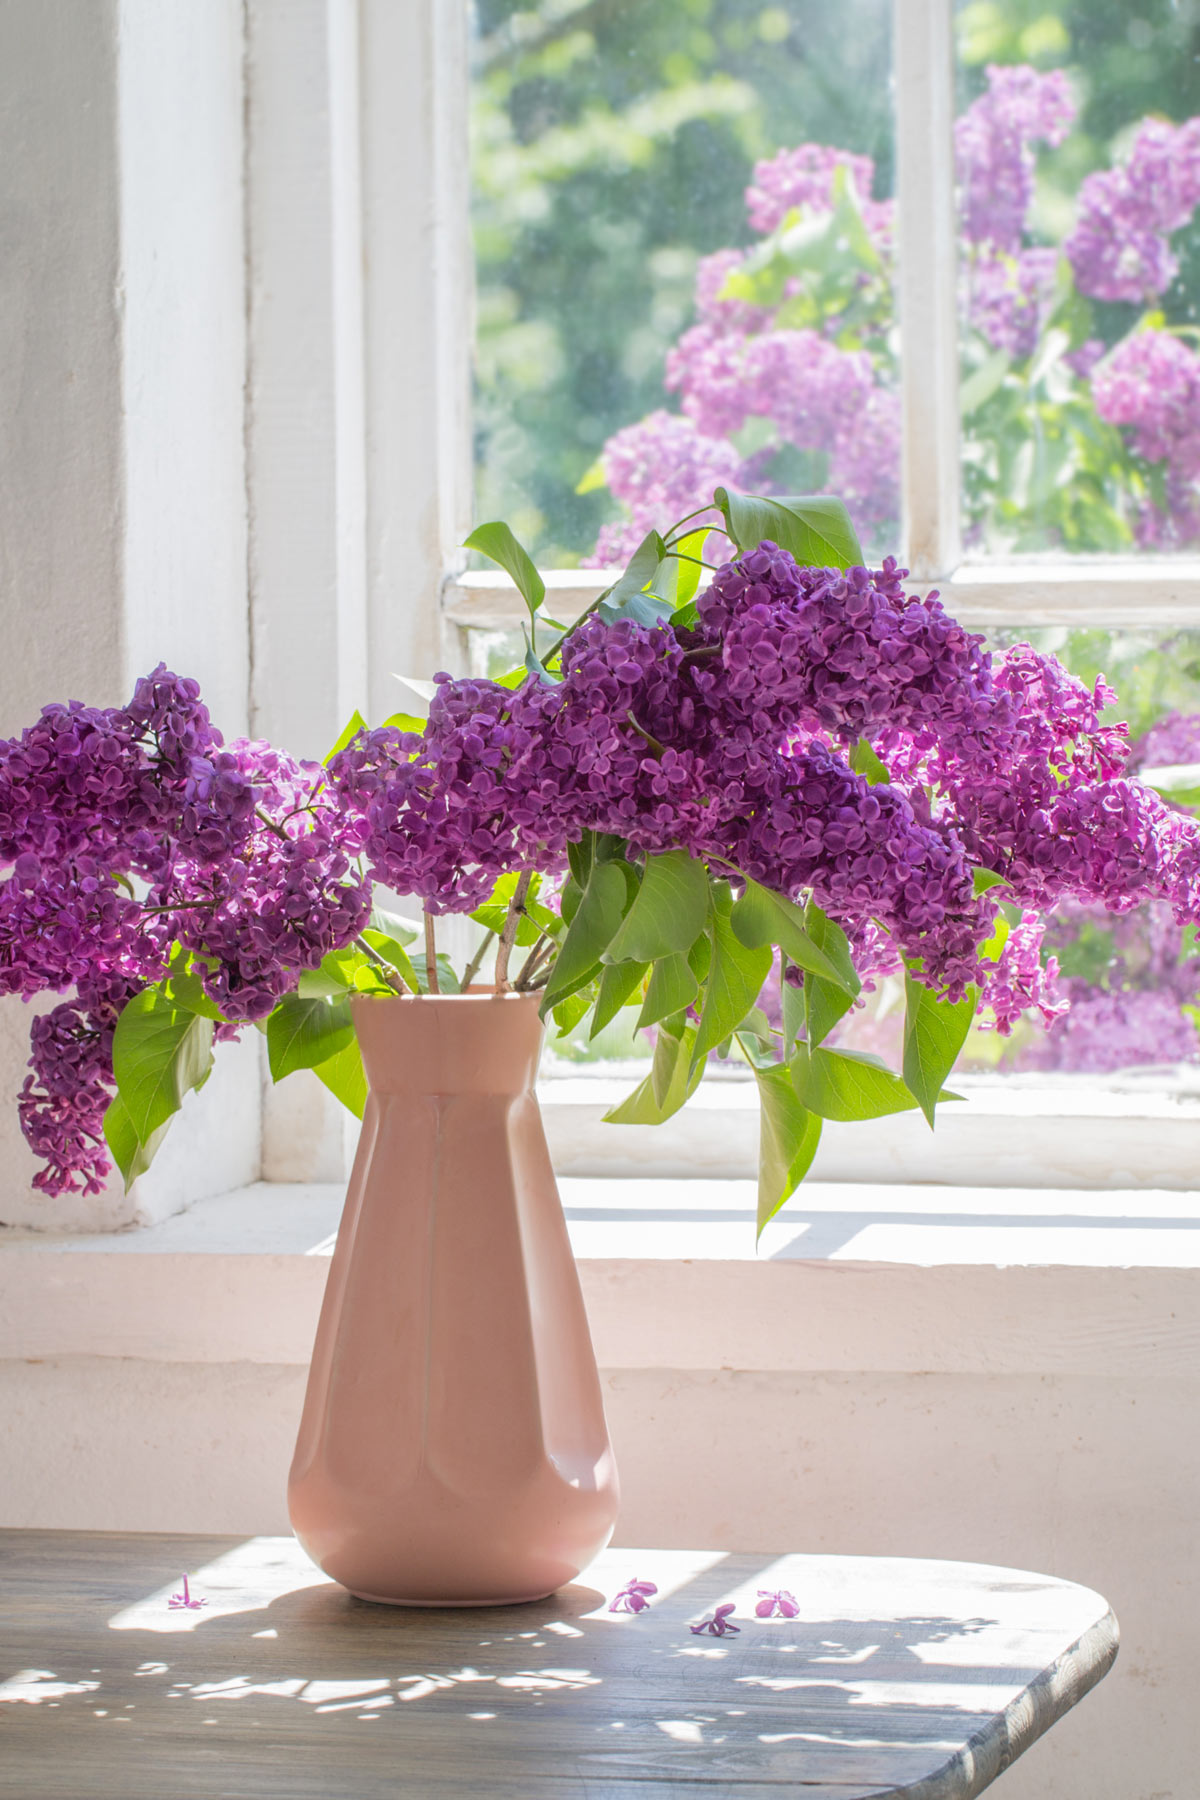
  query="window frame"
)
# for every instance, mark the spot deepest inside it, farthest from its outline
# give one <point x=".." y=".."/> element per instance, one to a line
<point x="396" y="350"/>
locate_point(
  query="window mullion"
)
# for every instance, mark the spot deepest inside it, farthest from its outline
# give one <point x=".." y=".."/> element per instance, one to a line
<point x="926" y="286"/>
<point x="418" y="328"/>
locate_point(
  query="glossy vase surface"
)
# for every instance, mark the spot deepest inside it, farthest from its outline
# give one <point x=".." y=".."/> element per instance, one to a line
<point x="453" y="1449"/>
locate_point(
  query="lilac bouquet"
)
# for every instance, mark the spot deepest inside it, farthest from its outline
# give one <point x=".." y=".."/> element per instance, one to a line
<point x="799" y="775"/>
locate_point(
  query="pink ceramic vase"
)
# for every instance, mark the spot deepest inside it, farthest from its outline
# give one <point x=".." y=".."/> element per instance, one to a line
<point x="453" y="1449"/>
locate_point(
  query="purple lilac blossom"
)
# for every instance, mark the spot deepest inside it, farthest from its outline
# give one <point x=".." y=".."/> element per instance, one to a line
<point x="62" y="1104"/>
<point x="1020" y="982"/>
<point x="244" y="859"/>
<point x="727" y="739"/>
<point x="993" y="145"/>
<point x="1118" y="248"/>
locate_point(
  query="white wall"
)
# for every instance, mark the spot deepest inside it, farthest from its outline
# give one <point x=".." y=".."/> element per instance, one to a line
<point x="122" y="495"/>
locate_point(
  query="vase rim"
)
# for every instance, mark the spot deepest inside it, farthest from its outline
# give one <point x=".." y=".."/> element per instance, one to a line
<point x="476" y="994"/>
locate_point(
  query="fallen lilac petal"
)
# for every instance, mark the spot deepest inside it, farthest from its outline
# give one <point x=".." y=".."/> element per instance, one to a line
<point x="178" y="1602"/>
<point x="634" y="1597"/>
<point x="771" y="1603"/>
<point x="720" y="1624"/>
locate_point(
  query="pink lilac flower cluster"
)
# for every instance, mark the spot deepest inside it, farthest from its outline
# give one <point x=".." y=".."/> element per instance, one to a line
<point x="1011" y="295"/>
<point x="1119" y="248"/>
<point x="739" y="364"/>
<point x="1150" y="385"/>
<point x="993" y="142"/>
<point x="1172" y="740"/>
<point x="661" y="468"/>
<point x="1137" y="1010"/>
<point x="1010" y="284"/>
<point x="239" y="855"/>
<point x="804" y="179"/>
<point x="1134" y="1011"/>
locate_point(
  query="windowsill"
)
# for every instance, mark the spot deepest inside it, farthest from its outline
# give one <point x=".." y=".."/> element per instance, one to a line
<point x="1136" y="1131"/>
<point x="847" y="1278"/>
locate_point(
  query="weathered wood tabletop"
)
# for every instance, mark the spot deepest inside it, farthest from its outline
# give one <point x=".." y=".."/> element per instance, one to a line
<point x="895" y="1678"/>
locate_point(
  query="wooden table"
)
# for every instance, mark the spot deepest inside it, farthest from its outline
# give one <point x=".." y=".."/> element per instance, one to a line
<point x="922" y="1679"/>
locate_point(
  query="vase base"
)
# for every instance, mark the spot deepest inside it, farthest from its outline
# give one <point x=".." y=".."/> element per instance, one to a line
<point x="503" y="1600"/>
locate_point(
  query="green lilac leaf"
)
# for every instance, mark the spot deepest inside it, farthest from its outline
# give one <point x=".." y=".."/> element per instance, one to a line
<point x="336" y="974"/>
<point x="788" y="1137"/>
<point x="627" y="598"/>
<point x="160" y="1052"/>
<point x="303" y="1033"/>
<point x="642" y="1107"/>
<point x="668" y="912"/>
<point x="593" y="478"/>
<point x="448" y="981"/>
<point x="496" y="541"/>
<point x="735" y="980"/>
<point x="864" y="761"/>
<point x="690" y="572"/>
<point x="345" y="1077"/>
<point x="131" y="1155"/>
<point x="934" y="1033"/>
<point x="824" y="1007"/>
<point x="810" y="939"/>
<point x="568" y="1012"/>
<point x="393" y="953"/>
<point x="672" y="987"/>
<point x="350" y="731"/>
<point x="591" y="931"/>
<point x="620" y="985"/>
<point x="182" y="985"/>
<point x="849" y="1085"/>
<point x="814" y="528"/>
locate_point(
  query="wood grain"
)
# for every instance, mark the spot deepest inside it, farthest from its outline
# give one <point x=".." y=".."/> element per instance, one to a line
<point x="920" y="1680"/>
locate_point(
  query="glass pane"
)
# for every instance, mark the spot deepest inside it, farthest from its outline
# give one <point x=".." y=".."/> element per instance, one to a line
<point x="1078" y="147"/>
<point x="684" y="247"/>
<point x="1133" y="982"/>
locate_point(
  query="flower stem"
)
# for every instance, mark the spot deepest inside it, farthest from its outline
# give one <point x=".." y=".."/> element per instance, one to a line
<point x="387" y="972"/>
<point x="508" y="936"/>
<point x="431" y="968"/>
<point x="529" y="966"/>
<point x="643" y="733"/>
<point x="473" y="967"/>
<point x="271" y="824"/>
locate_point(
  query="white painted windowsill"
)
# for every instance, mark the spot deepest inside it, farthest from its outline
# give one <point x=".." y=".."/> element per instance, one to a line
<point x="1016" y="1235"/>
<point x="848" y="1277"/>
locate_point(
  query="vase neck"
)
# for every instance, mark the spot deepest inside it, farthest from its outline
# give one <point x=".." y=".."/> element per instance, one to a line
<point x="449" y="1044"/>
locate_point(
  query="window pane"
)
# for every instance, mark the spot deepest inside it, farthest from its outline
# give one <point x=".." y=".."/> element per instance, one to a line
<point x="1078" y="148"/>
<point x="684" y="244"/>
